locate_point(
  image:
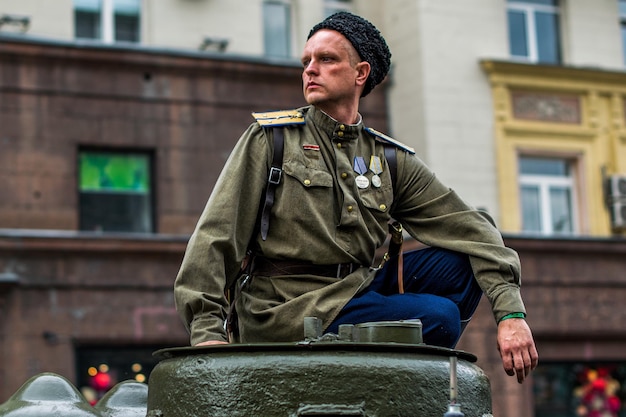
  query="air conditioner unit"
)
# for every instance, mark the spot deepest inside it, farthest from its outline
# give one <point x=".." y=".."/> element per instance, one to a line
<point x="618" y="214"/>
<point x="617" y="187"/>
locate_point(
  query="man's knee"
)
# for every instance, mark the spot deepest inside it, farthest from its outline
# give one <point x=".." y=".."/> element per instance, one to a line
<point x="442" y="327"/>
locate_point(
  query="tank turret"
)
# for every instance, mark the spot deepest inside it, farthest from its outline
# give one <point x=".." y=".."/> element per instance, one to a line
<point x="389" y="373"/>
<point x="371" y="369"/>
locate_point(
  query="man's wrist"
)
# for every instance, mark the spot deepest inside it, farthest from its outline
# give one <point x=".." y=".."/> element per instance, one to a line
<point x="517" y="315"/>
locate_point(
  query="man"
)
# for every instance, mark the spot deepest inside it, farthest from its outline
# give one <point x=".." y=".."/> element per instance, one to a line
<point x="331" y="209"/>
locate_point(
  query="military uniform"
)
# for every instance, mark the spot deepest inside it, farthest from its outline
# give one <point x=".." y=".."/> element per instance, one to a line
<point x="321" y="215"/>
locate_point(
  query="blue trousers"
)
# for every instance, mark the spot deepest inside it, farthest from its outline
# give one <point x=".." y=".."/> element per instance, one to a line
<point x="440" y="290"/>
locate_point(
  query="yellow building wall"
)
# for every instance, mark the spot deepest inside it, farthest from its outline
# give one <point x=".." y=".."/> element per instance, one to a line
<point x="564" y="112"/>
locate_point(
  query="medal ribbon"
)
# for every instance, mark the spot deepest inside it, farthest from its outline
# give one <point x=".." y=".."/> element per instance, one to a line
<point x="359" y="165"/>
<point x="376" y="166"/>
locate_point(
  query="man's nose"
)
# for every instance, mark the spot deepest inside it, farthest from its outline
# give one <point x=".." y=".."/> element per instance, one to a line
<point x="311" y="67"/>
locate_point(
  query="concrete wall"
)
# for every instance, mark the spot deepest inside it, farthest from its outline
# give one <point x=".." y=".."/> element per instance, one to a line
<point x="50" y="19"/>
<point x="184" y="24"/>
<point x="591" y="34"/>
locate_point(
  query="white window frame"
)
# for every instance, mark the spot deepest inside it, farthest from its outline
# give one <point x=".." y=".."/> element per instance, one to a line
<point x="107" y="22"/>
<point x="529" y="10"/>
<point x="545" y="183"/>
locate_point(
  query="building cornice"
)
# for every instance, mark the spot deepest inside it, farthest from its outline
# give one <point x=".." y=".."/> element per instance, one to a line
<point x="514" y="68"/>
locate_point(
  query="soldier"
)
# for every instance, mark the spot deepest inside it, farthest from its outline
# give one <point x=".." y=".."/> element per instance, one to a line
<point x="309" y="247"/>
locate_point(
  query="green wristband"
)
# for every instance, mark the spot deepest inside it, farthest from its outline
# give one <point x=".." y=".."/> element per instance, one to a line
<point x="513" y="316"/>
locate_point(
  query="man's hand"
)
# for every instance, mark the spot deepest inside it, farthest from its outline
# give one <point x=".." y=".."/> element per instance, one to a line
<point x="211" y="342"/>
<point x="517" y="348"/>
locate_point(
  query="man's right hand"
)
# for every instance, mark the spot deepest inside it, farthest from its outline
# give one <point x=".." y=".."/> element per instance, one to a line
<point x="211" y="342"/>
<point x="517" y="348"/>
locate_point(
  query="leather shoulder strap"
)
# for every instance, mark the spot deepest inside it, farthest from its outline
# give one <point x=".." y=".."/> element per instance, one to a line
<point x="275" y="175"/>
<point x="392" y="162"/>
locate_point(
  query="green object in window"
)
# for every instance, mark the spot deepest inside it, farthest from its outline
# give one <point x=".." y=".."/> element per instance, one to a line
<point x="114" y="172"/>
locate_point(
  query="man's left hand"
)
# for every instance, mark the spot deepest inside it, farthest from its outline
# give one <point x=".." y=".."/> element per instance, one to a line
<point x="517" y="348"/>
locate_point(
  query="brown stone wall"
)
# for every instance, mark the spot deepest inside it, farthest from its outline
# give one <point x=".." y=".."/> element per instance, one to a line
<point x="69" y="290"/>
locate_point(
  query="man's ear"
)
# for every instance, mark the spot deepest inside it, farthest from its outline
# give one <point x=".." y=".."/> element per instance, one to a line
<point x="363" y="69"/>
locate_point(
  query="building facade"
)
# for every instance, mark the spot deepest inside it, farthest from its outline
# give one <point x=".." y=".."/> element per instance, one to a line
<point x="117" y="115"/>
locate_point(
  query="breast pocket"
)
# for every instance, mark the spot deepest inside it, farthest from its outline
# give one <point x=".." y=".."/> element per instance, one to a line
<point x="377" y="199"/>
<point x="306" y="195"/>
<point x="309" y="177"/>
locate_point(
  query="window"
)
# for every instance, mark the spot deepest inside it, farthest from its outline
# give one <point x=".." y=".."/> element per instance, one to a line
<point x="334" y="6"/>
<point x="622" y="16"/>
<point x="115" y="192"/>
<point x="565" y="389"/>
<point x="107" y="20"/>
<point x="534" y="33"/>
<point x="547" y="195"/>
<point x="277" y="27"/>
<point x="101" y="368"/>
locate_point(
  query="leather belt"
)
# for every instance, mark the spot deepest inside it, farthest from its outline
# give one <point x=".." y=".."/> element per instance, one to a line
<point x="272" y="267"/>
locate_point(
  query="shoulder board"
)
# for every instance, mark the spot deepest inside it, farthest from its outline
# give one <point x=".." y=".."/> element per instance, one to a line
<point x="279" y="118"/>
<point x="384" y="138"/>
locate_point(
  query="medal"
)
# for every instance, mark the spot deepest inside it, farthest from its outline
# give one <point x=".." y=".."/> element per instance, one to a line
<point x="376" y="166"/>
<point x="360" y="168"/>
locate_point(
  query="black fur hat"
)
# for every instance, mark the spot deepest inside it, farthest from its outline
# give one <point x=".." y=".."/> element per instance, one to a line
<point x="367" y="41"/>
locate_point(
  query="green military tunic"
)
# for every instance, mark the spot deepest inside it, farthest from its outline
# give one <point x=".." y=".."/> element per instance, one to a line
<point x="321" y="216"/>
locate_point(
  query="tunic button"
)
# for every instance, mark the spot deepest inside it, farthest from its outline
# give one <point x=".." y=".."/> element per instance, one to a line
<point x="344" y="175"/>
<point x="339" y="146"/>
<point x="350" y="208"/>
<point x="307" y="182"/>
<point x="340" y="134"/>
<point x="342" y="127"/>
<point x="383" y="206"/>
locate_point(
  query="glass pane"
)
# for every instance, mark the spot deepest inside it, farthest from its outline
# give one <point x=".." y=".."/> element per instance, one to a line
<point x="518" y="38"/>
<point x="622" y="7"/>
<point x="570" y="389"/>
<point x="542" y="2"/>
<point x="531" y="209"/>
<point x="126" y="28"/>
<point x="544" y="166"/>
<point x="86" y="25"/>
<point x="115" y="212"/>
<point x="102" y="367"/>
<point x="548" y="42"/>
<point x="561" y="210"/>
<point x="127" y="7"/>
<point x="114" y="173"/>
<point x="276" y="26"/>
<point x="88" y="5"/>
<point x="115" y="192"/>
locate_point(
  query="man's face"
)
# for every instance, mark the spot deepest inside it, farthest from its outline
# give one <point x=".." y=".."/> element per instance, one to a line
<point x="332" y="73"/>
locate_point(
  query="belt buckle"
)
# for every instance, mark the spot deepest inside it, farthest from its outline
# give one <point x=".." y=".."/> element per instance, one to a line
<point x="340" y="269"/>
